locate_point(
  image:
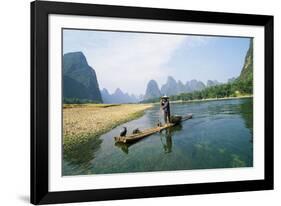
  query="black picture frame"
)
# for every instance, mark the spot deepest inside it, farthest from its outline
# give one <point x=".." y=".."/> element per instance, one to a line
<point x="40" y="102"/>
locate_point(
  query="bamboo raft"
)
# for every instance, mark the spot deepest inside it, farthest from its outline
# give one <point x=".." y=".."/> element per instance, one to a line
<point x="147" y="132"/>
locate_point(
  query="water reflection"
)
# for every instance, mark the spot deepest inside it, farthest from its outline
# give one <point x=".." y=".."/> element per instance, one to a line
<point x="167" y="145"/>
<point x="246" y="112"/>
<point x="165" y="139"/>
<point x="80" y="156"/>
<point x="123" y="146"/>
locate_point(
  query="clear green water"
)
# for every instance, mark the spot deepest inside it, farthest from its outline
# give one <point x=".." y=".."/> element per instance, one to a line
<point x="218" y="136"/>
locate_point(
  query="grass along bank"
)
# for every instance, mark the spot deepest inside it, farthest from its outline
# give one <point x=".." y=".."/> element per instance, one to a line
<point x="82" y="122"/>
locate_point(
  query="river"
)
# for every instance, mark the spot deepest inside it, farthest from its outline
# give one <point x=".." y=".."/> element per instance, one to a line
<point x="220" y="135"/>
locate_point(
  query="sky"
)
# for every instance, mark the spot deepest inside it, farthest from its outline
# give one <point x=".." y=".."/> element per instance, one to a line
<point x="128" y="60"/>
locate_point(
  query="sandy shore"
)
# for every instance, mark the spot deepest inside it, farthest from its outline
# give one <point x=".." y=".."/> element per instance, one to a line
<point x="81" y="122"/>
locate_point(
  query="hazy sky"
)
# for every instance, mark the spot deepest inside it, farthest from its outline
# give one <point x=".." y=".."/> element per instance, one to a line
<point x="129" y="60"/>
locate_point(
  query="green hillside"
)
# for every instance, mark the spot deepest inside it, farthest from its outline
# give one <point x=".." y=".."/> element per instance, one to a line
<point x="246" y="75"/>
<point x="79" y="80"/>
<point x="247" y="70"/>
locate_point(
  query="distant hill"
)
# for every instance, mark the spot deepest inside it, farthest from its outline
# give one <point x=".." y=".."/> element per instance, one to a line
<point x="79" y="79"/>
<point x="152" y="90"/>
<point x="106" y="97"/>
<point x="173" y="87"/>
<point x="170" y="88"/>
<point x="118" y="97"/>
<point x="181" y="87"/>
<point x="194" y="85"/>
<point x="211" y="83"/>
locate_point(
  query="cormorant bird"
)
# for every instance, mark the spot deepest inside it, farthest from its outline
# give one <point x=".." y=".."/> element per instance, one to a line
<point x="136" y="131"/>
<point x="123" y="132"/>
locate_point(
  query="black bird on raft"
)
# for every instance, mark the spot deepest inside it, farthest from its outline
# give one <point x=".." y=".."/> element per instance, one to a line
<point x="123" y="132"/>
<point x="136" y="131"/>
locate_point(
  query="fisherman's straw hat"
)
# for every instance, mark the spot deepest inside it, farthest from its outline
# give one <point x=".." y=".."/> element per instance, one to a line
<point x="165" y="97"/>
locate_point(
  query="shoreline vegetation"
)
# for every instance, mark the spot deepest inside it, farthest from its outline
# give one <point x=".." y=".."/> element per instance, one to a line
<point x="237" y="89"/>
<point x="83" y="122"/>
<point x="211" y="99"/>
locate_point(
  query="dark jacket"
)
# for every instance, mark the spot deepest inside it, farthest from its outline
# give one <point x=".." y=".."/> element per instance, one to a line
<point x="166" y="106"/>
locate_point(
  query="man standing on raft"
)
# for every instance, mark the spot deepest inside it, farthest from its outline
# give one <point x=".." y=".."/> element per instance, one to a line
<point x="165" y="105"/>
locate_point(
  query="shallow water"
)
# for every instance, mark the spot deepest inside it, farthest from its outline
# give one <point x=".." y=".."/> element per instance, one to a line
<point x="218" y="136"/>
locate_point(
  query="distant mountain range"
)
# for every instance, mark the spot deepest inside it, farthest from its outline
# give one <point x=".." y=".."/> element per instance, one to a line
<point x="79" y="79"/>
<point x="80" y="82"/>
<point x="173" y="87"/>
<point x="242" y="85"/>
<point x="118" y="97"/>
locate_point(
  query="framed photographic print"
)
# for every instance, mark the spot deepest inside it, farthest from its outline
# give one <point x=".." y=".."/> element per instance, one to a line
<point x="131" y="102"/>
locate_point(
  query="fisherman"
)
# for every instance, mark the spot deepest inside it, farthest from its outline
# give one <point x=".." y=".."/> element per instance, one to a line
<point x="165" y="105"/>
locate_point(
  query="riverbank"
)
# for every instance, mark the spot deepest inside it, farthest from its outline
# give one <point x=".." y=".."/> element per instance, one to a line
<point x="85" y="121"/>
<point x="211" y="99"/>
<point x="219" y="136"/>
